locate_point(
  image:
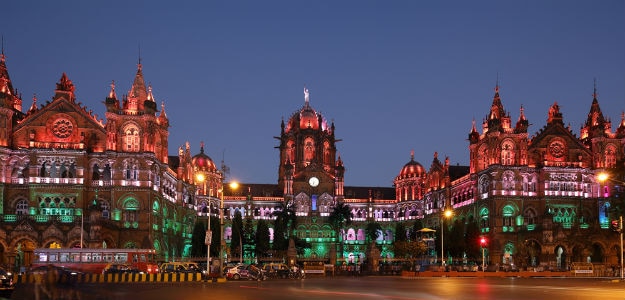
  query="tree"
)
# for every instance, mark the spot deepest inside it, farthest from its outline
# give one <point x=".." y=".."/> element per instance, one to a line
<point x="409" y="249"/>
<point x="262" y="239"/>
<point x="249" y="237"/>
<point x="400" y="232"/>
<point x="198" y="247"/>
<point x="373" y="231"/>
<point x="216" y="240"/>
<point x="236" y="239"/>
<point x="340" y="216"/>
<point x="414" y="232"/>
<point x="456" y="240"/>
<point x="284" y="223"/>
<point x="472" y="238"/>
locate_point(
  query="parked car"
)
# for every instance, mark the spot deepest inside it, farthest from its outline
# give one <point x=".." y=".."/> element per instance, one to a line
<point x="276" y="270"/>
<point x="229" y="266"/>
<point x="251" y="272"/>
<point x="6" y="278"/>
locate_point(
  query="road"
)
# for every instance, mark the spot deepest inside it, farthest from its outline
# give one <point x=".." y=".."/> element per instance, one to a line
<point x="353" y="288"/>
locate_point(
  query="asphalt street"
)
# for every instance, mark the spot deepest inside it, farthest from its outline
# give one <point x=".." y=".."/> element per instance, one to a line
<point x="348" y="288"/>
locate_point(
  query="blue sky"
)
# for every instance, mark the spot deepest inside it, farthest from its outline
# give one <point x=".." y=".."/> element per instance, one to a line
<point x="393" y="75"/>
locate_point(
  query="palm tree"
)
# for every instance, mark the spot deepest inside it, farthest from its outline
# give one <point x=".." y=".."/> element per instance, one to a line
<point x="285" y="220"/>
<point x="372" y="231"/>
<point x="340" y="217"/>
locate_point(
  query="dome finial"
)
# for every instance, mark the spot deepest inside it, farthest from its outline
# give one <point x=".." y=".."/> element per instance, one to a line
<point x="412" y="154"/>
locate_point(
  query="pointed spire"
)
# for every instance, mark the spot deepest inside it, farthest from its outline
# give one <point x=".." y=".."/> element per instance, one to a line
<point x="522" y="124"/>
<point x="33" y="107"/>
<point x="202" y="147"/>
<point x="5" y="81"/>
<point x="596" y="124"/>
<point x="2" y="53"/>
<point x="112" y="94"/>
<point x="150" y="96"/>
<point x="163" y="114"/>
<point x="412" y="155"/>
<point x="139" y="63"/>
<point x="474" y="136"/>
<point x="620" y="131"/>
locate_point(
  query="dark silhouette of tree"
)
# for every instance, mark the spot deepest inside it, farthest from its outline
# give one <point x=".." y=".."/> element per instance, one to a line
<point x="237" y="230"/>
<point x="414" y="232"/>
<point x="339" y="217"/>
<point x="262" y="239"/>
<point x="373" y="231"/>
<point x="198" y="247"/>
<point x="216" y="240"/>
<point x="284" y="223"/>
<point x="472" y="240"/>
<point x="400" y="232"/>
<point x="456" y="240"/>
<point x="249" y="238"/>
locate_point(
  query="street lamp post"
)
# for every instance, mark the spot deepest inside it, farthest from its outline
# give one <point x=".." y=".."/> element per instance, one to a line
<point x="209" y="234"/>
<point x="620" y="229"/>
<point x="602" y="177"/>
<point x="209" y="237"/>
<point x="446" y="214"/>
<point x="222" y="243"/>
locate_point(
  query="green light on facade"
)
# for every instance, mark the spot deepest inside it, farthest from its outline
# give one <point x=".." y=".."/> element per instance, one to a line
<point x="117" y="215"/>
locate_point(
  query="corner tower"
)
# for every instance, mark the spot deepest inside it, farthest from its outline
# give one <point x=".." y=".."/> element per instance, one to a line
<point x="134" y="126"/>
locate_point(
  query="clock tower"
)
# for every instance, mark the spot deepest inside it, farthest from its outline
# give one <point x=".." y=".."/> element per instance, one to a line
<point x="310" y="171"/>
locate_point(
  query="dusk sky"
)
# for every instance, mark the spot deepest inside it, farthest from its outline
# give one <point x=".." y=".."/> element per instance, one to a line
<point x="393" y="75"/>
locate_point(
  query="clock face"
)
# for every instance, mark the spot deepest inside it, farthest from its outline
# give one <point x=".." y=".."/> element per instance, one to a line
<point x="313" y="181"/>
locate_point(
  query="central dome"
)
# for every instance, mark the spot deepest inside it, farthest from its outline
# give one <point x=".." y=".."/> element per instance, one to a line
<point x="411" y="169"/>
<point x="203" y="162"/>
<point x="307" y="117"/>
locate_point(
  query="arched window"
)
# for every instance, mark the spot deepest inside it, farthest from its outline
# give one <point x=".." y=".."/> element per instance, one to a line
<point x="508" y="213"/>
<point x="327" y="158"/>
<point x="610" y="156"/>
<point x="484" y="219"/>
<point x="508" y="180"/>
<point x="507" y="153"/>
<point x="290" y="147"/>
<point x="131" y="212"/>
<point x="482" y="157"/>
<point x="22" y="207"/>
<point x="529" y="217"/>
<point x="309" y="149"/>
<point x="131" y="138"/>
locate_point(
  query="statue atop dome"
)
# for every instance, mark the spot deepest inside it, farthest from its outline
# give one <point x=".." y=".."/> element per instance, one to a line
<point x="306" y="95"/>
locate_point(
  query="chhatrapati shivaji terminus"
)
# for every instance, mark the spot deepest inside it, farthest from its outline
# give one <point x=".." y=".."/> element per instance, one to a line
<point x="73" y="179"/>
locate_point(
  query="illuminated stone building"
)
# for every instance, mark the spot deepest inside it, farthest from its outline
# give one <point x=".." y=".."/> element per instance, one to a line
<point x="69" y="178"/>
<point x="535" y="198"/>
